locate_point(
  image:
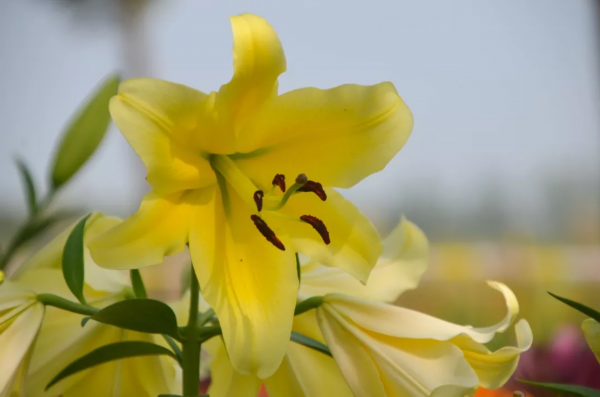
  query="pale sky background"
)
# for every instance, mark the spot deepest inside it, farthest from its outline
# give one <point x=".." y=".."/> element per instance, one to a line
<point x="503" y="91"/>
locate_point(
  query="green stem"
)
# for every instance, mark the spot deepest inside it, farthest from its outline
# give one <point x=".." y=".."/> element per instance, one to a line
<point x="139" y="289"/>
<point x="65" y="304"/>
<point x="191" y="344"/>
<point x="308" y="304"/>
<point x="25" y="232"/>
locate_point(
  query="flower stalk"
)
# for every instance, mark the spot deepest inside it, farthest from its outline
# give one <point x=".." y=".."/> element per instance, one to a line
<point x="65" y="304"/>
<point x="191" y="344"/>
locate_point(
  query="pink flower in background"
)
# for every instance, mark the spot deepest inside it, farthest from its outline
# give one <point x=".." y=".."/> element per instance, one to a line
<point x="566" y="359"/>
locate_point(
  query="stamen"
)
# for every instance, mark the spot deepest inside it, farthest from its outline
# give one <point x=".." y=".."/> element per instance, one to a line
<point x="258" y="199"/>
<point x="318" y="225"/>
<point x="315" y="187"/>
<point x="266" y="231"/>
<point x="279" y="180"/>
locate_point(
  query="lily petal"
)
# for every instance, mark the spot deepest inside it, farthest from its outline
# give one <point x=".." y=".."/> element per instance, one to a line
<point x="250" y="283"/>
<point x="160" y="120"/>
<point x="301" y="373"/>
<point x="591" y="331"/>
<point x="226" y="381"/>
<point x="159" y="228"/>
<point x="336" y="137"/>
<point x="494" y="369"/>
<point x="403" y="262"/>
<point x="355" y="243"/>
<point x="391" y="366"/>
<point x="258" y="60"/>
<point x="20" y="320"/>
<point x="375" y="317"/>
<point x="303" y="370"/>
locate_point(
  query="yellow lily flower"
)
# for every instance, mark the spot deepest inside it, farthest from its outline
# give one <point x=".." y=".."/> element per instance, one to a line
<point x="401" y="352"/>
<point x="21" y="316"/>
<point x="217" y="164"/>
<point x="591" y="331"/>
<point x="62" y="340"/>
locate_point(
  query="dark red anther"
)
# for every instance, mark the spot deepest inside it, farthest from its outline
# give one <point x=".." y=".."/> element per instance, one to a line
<point x="258" y="199"/>
<point x="318" y="225"/>
<point x="266" y="231"/>
<point x="314" y="187"/>
<point x="279" y="180"/>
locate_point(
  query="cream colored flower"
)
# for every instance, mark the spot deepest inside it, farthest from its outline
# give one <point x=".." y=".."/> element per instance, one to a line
<point x="62" y="339"/>
<point x="591" y="331"/>
<point x="21" y="316"/>
<point x="385" y="350"/>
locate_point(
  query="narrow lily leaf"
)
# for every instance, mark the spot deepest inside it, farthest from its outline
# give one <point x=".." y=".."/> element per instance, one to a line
<point x="72" y="261"/>
<point x="104" y="354"/>
<point x="579" y="306"/>
<point x="142" y="315"/>
<point x="33" y="229"/>
<point x="174" y="347"/>
<point x="571" y="390"/>
<point x="298" y="270"/>
<point x="310" y="342"/>
<point x="84" y="133"/>
<point x="139" y="289"/>
<point x="29" y="186"/>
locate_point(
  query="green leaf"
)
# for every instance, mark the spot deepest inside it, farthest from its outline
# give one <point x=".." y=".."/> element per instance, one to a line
<point x="310" y="342"/>
<point x="572" y="390"/>
<point x="29" y="186"/>
<point x="104" y="354"/>
<point x="139" y="289"/>
<point x="84" y="133"/>
<point x="174" y="347"/>
<point x="73" y="258"/>
<point x="578" y="306"/>
<point x="142" y="315"/>
<point x="33" y="229"/>
<point x="298" y="270"/>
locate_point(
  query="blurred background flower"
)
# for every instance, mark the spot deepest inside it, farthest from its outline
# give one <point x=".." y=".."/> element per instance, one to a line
<point x="502" y="171"/>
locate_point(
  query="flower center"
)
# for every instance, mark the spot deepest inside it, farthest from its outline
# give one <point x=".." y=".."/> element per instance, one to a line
<point x="269" y="201"/>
